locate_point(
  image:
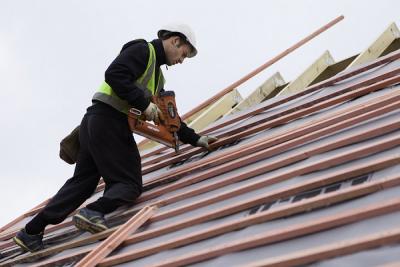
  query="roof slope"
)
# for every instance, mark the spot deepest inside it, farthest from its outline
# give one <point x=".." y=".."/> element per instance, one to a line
<point x="311" y="177"/>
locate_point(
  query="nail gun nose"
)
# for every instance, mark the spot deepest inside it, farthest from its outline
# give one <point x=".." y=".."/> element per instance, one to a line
<point x="176" y="139"/>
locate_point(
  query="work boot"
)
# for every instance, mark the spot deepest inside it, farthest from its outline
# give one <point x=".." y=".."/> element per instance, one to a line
<point x="90" y="220"/>
<point x="29" y="242"/>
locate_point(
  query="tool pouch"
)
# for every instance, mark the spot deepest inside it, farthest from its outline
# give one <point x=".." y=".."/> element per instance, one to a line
<point x="69" y="147"/>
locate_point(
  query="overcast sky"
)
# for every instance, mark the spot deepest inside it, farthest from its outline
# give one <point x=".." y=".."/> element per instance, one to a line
<point x="53" y="55"/>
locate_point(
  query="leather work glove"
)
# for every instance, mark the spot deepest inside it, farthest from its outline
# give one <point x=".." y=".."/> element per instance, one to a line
<point x="206" y="140"/>
<point x="153" y="113"/>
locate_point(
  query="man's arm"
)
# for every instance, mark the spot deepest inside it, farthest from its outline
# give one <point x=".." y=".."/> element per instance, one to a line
<point x="127" y="67"/>
<point x="187" y="135"/>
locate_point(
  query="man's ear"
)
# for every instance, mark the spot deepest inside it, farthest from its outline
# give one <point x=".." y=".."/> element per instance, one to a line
<point x="177" y="41"/>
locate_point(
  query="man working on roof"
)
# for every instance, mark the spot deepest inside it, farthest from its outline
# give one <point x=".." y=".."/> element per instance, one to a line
<point x="107" y="147"/>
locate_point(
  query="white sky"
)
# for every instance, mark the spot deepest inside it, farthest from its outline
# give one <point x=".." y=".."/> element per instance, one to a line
<point x="53" y="55"/>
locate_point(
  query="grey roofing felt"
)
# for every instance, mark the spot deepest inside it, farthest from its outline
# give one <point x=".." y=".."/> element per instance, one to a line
<point x="367" y="258"/>
<point x="277" y="157"/>
<point x="309" y="97"/>
<point x="356" y="229"/>
<point x="295" y="102"/>
<point x="292" y="124"/>
<point x="282" y="129"/>
<point x="353" y="230"/>
<point x="261" y="191"/>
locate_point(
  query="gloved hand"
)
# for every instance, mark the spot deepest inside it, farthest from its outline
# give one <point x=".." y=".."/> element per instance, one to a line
<point x="153" y="113"/>
<point x="205" y="141"/>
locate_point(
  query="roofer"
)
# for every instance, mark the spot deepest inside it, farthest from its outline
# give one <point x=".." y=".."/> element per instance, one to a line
<point x="107" y="146"/>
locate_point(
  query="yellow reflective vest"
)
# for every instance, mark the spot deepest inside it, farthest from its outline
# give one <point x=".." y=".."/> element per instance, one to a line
<point x="146" y="82"/>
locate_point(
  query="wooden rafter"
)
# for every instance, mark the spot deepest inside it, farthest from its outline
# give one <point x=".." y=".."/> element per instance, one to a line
<point x="309" y="75"/>
<point x="378" y="46"/>
<point x="216" y="110"/>
<point x="258" y="95"/>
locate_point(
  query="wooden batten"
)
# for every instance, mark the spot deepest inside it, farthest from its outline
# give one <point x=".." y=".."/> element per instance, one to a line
<point x="115" y="239"/>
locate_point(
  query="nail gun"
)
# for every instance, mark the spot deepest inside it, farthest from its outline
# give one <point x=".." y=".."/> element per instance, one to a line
<point x="166" y="131"/>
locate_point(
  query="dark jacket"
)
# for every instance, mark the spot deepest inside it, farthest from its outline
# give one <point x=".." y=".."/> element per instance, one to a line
<point x="128" y="66"/>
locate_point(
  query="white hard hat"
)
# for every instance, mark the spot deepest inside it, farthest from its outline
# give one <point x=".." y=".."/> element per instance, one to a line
<point x="182" y="29"/>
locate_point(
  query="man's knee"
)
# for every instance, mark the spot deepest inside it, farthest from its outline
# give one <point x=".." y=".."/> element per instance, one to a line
<point x="127" y="193"/>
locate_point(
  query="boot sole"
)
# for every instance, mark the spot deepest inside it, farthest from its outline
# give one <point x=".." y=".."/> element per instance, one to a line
<point x="84" y="224"/>
<point x="21" y="244"/>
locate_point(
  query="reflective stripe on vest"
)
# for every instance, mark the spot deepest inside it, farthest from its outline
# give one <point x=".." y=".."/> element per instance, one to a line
<point x="146" y="82"/>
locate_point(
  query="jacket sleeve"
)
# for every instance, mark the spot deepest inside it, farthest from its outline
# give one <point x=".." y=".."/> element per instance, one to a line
<point x="127" y="67"/>
<point x="187" y="135"/>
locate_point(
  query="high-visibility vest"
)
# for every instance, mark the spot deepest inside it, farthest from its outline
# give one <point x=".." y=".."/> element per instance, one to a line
<point x="146" y="82"/>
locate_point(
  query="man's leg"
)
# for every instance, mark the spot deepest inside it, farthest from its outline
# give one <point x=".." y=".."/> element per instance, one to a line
<point x="72" y="194"/>
<point x="118" y="161"/>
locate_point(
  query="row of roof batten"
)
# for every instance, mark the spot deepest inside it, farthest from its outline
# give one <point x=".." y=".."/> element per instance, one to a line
<point x="394" y="80"/>
<point x="261" y="182"/>
<point x="19" y="218"/>
<point x="299" y="207"/>
<point x="287" y="115"/>
<point x="376" y="138"/>
<point x="34" y="211"/>
<point x="258" y="145"/>
<point x="144" y="193"/>
<point x="256" y="219"/>
<point x="273" y="141"/>
<point x="321" y="64"/>
<point x="333" y="250"/>
<point x="291" y="232"/>
<point x="270" y="62"/>
<point x="343" y="174"/>
<point x="332" y="80"/>
<point x="225" y="182"/>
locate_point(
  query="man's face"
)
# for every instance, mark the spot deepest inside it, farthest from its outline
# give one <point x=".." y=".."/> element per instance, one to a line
<point x="177" y="52"/>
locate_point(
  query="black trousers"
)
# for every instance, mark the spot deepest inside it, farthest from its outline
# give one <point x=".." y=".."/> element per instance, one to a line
<point x="108" y="150"/>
